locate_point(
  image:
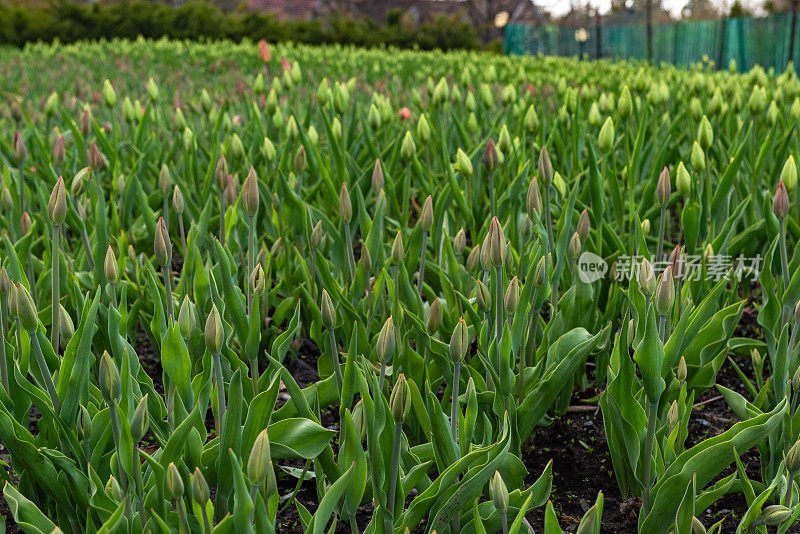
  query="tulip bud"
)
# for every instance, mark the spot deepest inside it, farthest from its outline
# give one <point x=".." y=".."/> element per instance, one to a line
<point x="397" y="249"/>
<point x="186" y="318"/>
<point x="605" y="139"/>
<point x="59" y="150"/>
<point x="682" y="370"/>
<point x="113" y="489"/>
<point x="426" y="217"/>
<point x="497" y="251"/>
<point x="5" y="199"/>
<point x="26" y="309"/>
<point x="360" y="419"/>
<point x="110" y="265"/>
<point x="789" y="174"/>
<point x="672" y="415"/>
<point x="221" y="172"/>
<point x="511" y="300"/>
<point x="459" y="341"/>
<point x="83" y="423"/>
<point x="316" y="236"/>
<point x="545" y="167"/>
<point x="250" y="197"/>
<point x="490" y="157"/>
<point x="665" y="294"/>
<point x="423" y="129"/>
<point x="434" y="318"/>
<point x="408" y="148"/>
<point x="541" y="272"/>
<point x="775" y="515"/>
<point x="200" y="491"/>
<point x="463" y="163"/>
<point x="499" y="492"/>
<point x="574" y="248"/>
<point x="594" y="115"/>
<point x="18" y="148"/>
<point x="258" y="463"/>
<point x="797" y="315"/>
<point x="793" y="459"/>
<point x="708" y="253"/>
<point x="214" y="332"/>
<point x="57" y="206"/>
<point x="683" y="181"/>
<point x="177" y="200"/>
<point x="780" y="203"/>
<point x="647" y="279"/>
<point x="377" y="176"/>
<point x="299" y="161"/>
<point x="108" y="379"/>
<point x="697" y="526"/>
<point x="328" y="311"/>
<point x="386" y="341"/>
<point x="533" y="200"/>
<point x="625" y="103"/>
<point x="698" y="157"/>
<point x="645" y="227"/>
<point x="140" y="422"/>
<point x="66" y="328"/>
<point x="162" y="244"/>
<point x="400" y="400"/>
<point x="345" y="208"/>
<point x="473" y="259"/>
<point x="12" y="301"/>
<point x="174" y="482"/>
<point x="483" y="297"/>
<point x="583" y="226"/>
<point x="663" y="189"/>
<point x="109" y="94"/>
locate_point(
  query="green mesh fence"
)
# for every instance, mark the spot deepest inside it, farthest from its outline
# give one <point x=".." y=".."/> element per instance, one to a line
<point x="748" y="41"/>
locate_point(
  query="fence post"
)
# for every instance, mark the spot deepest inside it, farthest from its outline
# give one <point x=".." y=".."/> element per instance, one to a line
<point x="649" y="31"/>
<point x="599" y="36"/>
<point x="721" y="48"/>
<point x="794" y="27"/>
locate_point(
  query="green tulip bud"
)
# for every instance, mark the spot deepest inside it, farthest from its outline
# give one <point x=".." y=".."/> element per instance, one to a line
<point x="775" y="515"/>
<point x="605" y="139"/>
<point x="408" y="148"/>
<point x="574" y="248"/>
<point x="127" y="110"/>
<point x="795" y="109"/>
<point x="221" y="172"/>
<point x="377" y="176"/>
<point x="83" y="423"/>
<point x="214" y="332"/>
<point x="533" y="200"/>
<point x="545" y="167"/>
<point x="583" y="226"/>
<point x="174" y="482"/>
<point x="789" y="174"/>
<point x="541" y="272"/>
<point x="511" y="300"/>
<point x="328" y="311"/>
<point x="705" y="135"/>
<point x="497" y="250"/>
<point x="26" y="309"/>
<point x="664" y="188"/>
<point x="250" y="197"/>
<point x="682" y="370"/>
<point x="665" y="294"/>
<point x="386" y="341"/>
<point x="109" y="94"/>
<point x="59" y="150"/>
<point x="268" y="150"/>
<point x="672" y="415"/>
<point x="66" y="328"/>
<point x="51" y="104"/>
<point x="497" y="487"/>
<point x="360" y="419"/>
<point x="345" y="207"/>
<point x="698" y="157"/>
<point x="459" y="341"/>
<point x="531" y="120"/>
<point x="316" y="236"/>
<point x="397" y="249"/>
<point x="186" y="318"/>
<point x="5" y="199"/>
<point x="793" y="459"/>
<point x="426" y="216"/>
<point x="645" y="226"/>
<point x="434" y="318"/>
<point x="697" y="526"/>
<point x="463" y="163"/>
<point x="647" y="279"/>
<point x="473" y="259"/>
<point x="625" y="103"/>
<point x="152" y="89"/>
<point x="140" y="422"/>
<point x="504" y="140"/>
<point x="110" y="266"/>
<point x="200" y="491"/>
<point x="472" y="123"/>
<point x="324" y="93"/>
<point x="108" y="380"/>
<point x="780" y="202"/>
<point x="57" y="206"/>
<point x="19" y="150"/>
<point x="594" y="115"/>
<point x="113" y="489"/>
<point x="490" y="156"/>
<point x="162" y="245"/>
<point x="400" y="400"/>
<point x="260" y="457"/>
<point x="683" y="181"/>
<point x="483" y="297"/>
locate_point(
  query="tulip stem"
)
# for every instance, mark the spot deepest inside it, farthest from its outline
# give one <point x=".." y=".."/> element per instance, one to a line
<point x="182" y="512"/>
<point x="788" y="501"/>
<point x="251" y="261"/>
<point x="652" y="415"/>
<point x="661" y="226"/>
<point x="529" y="345"/>
<point x="87" y="247"/>
<point x="348" y="243"/>
<point x="222" y="216"/>
<point x="393" y="473"/>
<point x="504" y="519"/>
<point x="206" y="525"/>
<point x="138" y="480"/>
<point x="423" y="251"/>
<point x="498" y="303"/>
<point x="43" y="369"/>
<point x="547" y="222"/>
<point x="168" y="294"/>
<point x="454" y="404"/>
<point x="183" y="234"/>
<point x="784" y="263"/>
<point x="337" y="372"/>
<point x="112" y="412"/>
<point x="491" y="192"/>
<point x="3" y="361"/>
<point x="54" y="283"/>
<point x="253" y="497"/>
<point x="220" y="395"/>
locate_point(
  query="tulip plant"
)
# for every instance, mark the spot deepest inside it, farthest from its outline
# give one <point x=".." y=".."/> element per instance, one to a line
<point x="459" y="241"/>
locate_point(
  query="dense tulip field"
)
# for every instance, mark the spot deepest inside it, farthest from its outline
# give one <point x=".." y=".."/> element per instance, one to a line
<point x="277" y="288"/>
